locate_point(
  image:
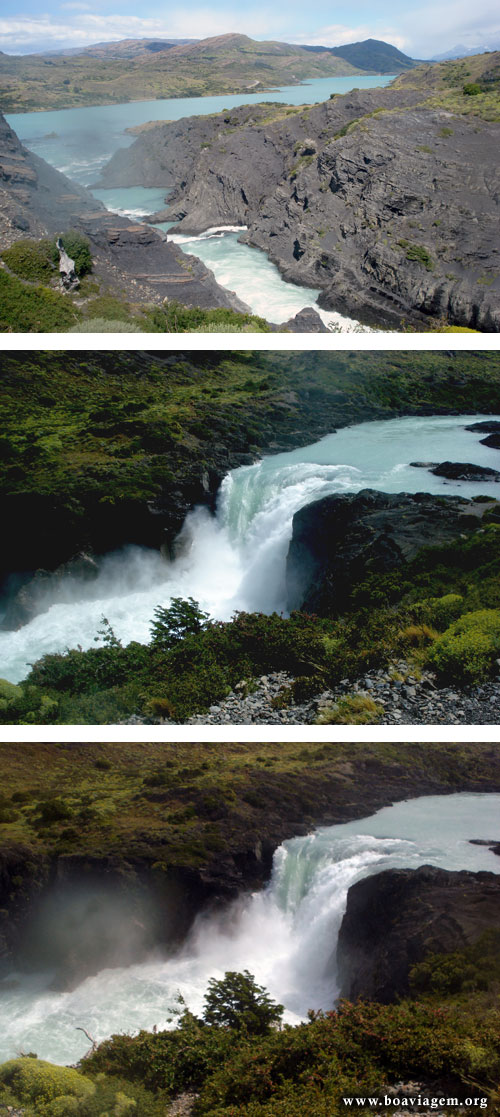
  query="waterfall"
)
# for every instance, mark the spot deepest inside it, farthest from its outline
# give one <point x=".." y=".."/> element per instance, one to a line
<point x="285" y="935"/>
<point x="236" y="560"/>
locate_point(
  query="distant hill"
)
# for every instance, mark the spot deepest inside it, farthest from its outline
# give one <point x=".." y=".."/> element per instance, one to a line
<point x="460" y="51"/>
<point x="142" y="70"/>
<point x="123" y="48"/>
<point x="372" y="55"/>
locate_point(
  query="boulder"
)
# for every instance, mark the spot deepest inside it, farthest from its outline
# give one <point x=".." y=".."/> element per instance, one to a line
<point x="465" y="471"/>
<point x="395" y="918"/>
<point x="340" y="540"/>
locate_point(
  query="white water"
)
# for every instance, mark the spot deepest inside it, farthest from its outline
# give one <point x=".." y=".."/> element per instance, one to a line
<point x="286" y="935"/>
<point x="254" y="279"/>
<point x="134" y="202"/>
<point x="236" y="560"/>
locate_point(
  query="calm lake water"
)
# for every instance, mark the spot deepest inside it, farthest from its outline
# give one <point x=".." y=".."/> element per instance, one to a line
<point x="80" y="141"/>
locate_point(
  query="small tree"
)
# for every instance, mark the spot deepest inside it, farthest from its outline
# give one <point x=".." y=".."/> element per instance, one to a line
<point x="182" y="618"/>
<point x="236" y="1001"/>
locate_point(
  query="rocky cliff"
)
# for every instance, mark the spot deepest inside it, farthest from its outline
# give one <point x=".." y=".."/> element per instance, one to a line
<point x="337" y="542"/>
<point x="385" y="199"/>
<point x="36" y="200"/>
<point x="395" y="918"/>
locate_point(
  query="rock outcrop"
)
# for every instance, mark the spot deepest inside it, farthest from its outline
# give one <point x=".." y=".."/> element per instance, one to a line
<point x="395" y="918"/>
<point x="387" y="204"/>
<point x="36" y="201"/>
<point x="337" y="542"/>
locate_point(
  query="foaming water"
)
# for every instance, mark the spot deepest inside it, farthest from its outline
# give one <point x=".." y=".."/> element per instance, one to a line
<point x="236" y="560"/>
<point x="285" y="935"/>
<point x="254" y="279"/>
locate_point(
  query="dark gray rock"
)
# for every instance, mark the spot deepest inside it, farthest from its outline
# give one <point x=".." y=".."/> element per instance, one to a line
<point x="395" y="918"/>
<point x="486" y="426"/>
<point x="306" y="321"/>
<point x="392" y="211"/>
<point x="338" y="541"/>
<point x="36" y="200"/>
<point x="465" y="471"/>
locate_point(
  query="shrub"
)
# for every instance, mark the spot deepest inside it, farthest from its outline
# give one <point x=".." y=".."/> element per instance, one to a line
<point x="38" y="1084"/>
<point x="31" y="259"/>
<point x="105" y="326"/>
<point x="352" y="710"/>
<point x="420" y="255"/>
<point x="439" y="612"/>
<point x="33" y="309"/>
<point x="471" y="89"/>
<point x="10" y="695"/>
<point x="467" y="650"/>
<point x="236" y="1001"/>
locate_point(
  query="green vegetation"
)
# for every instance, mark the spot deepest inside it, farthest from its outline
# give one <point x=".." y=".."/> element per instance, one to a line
<point x="357" y="1049"/>
<point x="192" y="662"/>
<point x="418" y="253"/>
<point x="468" y="86"/>
<point x="236" y="1001"/>
<point x="352" y="710"/>
<point x="28" y="308"/>
<point x="467" y="651"/>
<point x="31" y="259"/>
<point x="33" y="309"/>
<point x="45" y="1090"/>
<point x="178" y="805"/>
<point x="37" y="260"/>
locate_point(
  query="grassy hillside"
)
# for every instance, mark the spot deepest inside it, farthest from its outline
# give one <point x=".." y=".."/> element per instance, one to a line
<point x="186" y="804"/>
<point x="466" y="86"/>
<point x="225" y="64"/>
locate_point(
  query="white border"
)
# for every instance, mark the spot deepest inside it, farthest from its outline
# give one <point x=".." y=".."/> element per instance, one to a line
<point x="333" y="342"/>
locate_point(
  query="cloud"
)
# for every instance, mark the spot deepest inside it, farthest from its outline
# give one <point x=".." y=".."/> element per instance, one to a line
<point x="24" y="33"/>
<point x="431" y="28"/>
<point x="338" y="34"/>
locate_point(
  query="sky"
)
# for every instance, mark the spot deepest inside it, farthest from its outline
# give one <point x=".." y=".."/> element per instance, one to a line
<point x="422" y="30"/>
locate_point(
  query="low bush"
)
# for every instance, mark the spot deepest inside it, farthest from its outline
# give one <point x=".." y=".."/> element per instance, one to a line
<point x="466" y="652"/>
<point x="33" y="309"/>
<point x="31" y="259"/>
